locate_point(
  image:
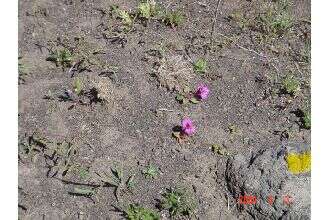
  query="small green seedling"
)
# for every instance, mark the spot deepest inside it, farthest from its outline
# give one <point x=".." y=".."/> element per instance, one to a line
<point x="34" y="147"/>
<point x="22" y="71"/>
<point x="186" y="96"/>
<point x="220" y="150"/>
<point x="84" y="192"/>
<point x="137" y="212"/>
<point x="130" y="183"/>
<point x="240" y="19"/>
<point x="146" y="9"/>
<point x="83" y="172"/>
<point x="181" y="98"/>
<point x="78" y="86"/>
<point x="276" y="20"/>
<point x="79" y="53"/>
<point x="200" y="66"/>
<point x="281" y="24"/>
<point x="233" y="129"/>
<point x="126" y="20"/>
<point x="306" y="119"/>
<point x="116" y="179"/>
<point x="61" y="57"/>
<point x="150" y="172"/>
<point x="174" y="18"/>
<point x="122" y="14"/>
<point x="60" y="156"/>
<point x="125" y="17"/>
<point x="290" y="85"/>
<point x="178" y="202"/>
<point x="21" y="67"/>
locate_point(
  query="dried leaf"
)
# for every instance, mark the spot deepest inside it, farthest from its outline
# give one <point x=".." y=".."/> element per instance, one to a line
<point x="194" y="100"/>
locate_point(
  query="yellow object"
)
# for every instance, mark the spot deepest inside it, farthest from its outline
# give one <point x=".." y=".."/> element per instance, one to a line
<point x="299" y="162"/>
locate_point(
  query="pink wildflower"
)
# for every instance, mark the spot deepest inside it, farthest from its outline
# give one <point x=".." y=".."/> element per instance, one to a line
<point x="187" y="126"/>
<point x="202" y="92"/>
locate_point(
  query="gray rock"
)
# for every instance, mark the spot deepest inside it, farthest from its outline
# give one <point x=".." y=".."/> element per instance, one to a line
<point x="265" y="174"/>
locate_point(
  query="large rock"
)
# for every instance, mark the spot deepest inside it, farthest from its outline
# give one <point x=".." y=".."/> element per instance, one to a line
<point x="265" y="174"/>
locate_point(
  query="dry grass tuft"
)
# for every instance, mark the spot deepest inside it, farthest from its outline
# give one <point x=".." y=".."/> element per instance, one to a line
<point x="104" y="88"/>
<point x="174" y="73"/>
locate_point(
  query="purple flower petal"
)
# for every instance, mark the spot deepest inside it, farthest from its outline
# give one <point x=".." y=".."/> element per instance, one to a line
<point x="202" y="92"/>
<point x="187" y="126"/>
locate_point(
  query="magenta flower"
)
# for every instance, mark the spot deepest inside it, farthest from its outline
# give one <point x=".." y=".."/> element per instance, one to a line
<point x="187" y="126"/>
<point x="202" y="92"/>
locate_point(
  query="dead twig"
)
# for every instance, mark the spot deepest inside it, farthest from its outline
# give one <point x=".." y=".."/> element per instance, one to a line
<point x="250" y="50"/>
<point x="243" y="48"/>
<point x="165" y="110"/>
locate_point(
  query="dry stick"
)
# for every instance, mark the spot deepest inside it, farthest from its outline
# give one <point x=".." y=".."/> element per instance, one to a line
<point x="214" y="22"/>
<point x="228" y="207"/>
<point x="165" y="110"/>
<point x="250" y="50"/>
<point x="71" y="68"/>
<point x="243" y="48"/>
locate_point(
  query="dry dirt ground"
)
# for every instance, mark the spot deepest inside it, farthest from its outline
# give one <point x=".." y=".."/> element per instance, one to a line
<point x="124" y="76"/>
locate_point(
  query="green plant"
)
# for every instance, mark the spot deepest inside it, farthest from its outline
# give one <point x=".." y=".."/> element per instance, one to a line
<point x="281" y="23"/>
<point x="291" y="85"/>
<point x="178" y="202"/>
<point x="220" y="150"/>
<point x="60" y="157"/>
<point x="181" y="98"/>
<point x="186" y="96"/>
<point x="147" y="9"/>
<point x="87" y="55"/>
<point x="150" y="171"/>
<point x="137" y="212"/>
<point x="61" y="57"/>
<point x="233" y="129"/>
<point x="79" y="54"/>
<point x="144" y="10"/>
<point x="125" y="17"/>
<point x="276" y="20"/>
<point x="240" y="19"/>
<point x="83" y="191"/>
<point x="21" y="68"/>
<point x="130" y="182"/>
<point x="174" y="18"/>
<point x="83" y="172"/>
<point x="78" y="86"/>
<point x="306" y="119"/>
<point x="200" y="65"/>
<point x="33" y="147"/>
<point x="22" y="71"/>
<point x="116" y="179"/>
